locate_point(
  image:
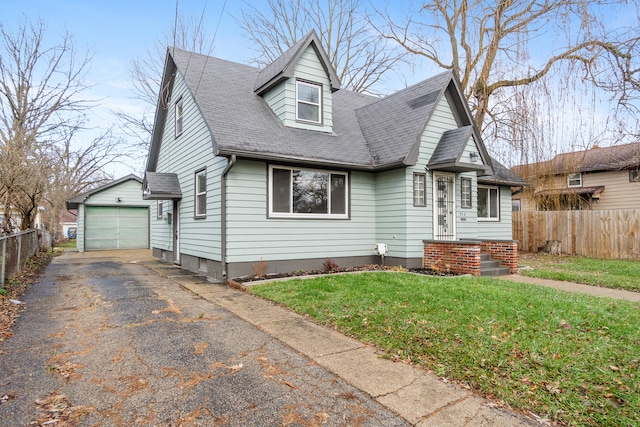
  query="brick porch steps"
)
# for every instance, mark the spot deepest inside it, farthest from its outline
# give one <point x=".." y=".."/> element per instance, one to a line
<point x="491" y="267"/>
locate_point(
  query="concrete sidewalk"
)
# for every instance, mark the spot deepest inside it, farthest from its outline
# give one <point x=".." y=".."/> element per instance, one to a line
<point x="418" y="396"/>
<point x="576" y="287"/>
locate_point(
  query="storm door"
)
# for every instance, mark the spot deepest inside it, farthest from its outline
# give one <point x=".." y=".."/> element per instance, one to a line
<point x="444" y="208"/>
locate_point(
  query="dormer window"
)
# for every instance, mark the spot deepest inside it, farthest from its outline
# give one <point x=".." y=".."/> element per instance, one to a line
<point x="308" y="102"/>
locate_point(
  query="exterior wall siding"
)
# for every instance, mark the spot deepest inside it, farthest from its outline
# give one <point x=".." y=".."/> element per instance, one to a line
<point x="252" y="236"/>
<point x="308" y="68"/>
<point x="617" y="190"/>
<point x="488" y="230"/>
<point x="80" y="229"/>
<point x="467" y="217"/>
<point x="391" y="204"/>
<point x="184" y="155"/>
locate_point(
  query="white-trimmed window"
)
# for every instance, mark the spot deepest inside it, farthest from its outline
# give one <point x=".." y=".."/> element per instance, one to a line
<point x="307" y="193"/>
<point x="515" y="205"/>
<point x="488" y="203"/>
<point x="179" y="112"/>
<point x="419" y="193"/>
<point x="159" y="209"/>
<point x="200" y="208"/>
<point x="465" y="192"/>
<point x="574" y="180"/>
<point x="308" y="102"/>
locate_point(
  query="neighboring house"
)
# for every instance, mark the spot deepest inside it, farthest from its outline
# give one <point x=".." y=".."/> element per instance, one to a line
<point x="113" y="216"/>
<point x="281" y="169"/>
<point x="15" y="220"/>
<point x="601" y="178"/>
<point x="68" y="224"/>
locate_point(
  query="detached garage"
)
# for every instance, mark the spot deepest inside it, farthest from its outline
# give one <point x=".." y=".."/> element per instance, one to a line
<point x="113" y="216"/>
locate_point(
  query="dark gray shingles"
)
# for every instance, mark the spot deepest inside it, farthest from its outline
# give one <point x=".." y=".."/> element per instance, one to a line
<point x="282" y="67"/>
<point x="451" y="145"/>
<point x="161" y="186"/>
<point x="241" y="122"/>
<point x="393" y="125"/>
<point x="502" y="176"/>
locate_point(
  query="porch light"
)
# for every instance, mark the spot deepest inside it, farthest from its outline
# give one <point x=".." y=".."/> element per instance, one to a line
<point x="474" y="156"/>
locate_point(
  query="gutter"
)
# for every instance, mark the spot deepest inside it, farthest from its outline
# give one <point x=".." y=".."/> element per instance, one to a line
<point x="223" y="215"/>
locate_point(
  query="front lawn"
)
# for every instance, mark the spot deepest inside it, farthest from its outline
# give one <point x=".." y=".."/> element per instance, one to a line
<point x="608" y="273"/>
<point x="568" y="357"/>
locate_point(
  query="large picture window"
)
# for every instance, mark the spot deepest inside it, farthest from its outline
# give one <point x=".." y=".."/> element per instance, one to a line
<point x="488" y="203"/>
<point x="201" y="194"/>
<point x="308" y="105"/>
<point x="307" y="193"/>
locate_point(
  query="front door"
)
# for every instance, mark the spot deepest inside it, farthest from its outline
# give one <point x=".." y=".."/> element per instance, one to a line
<point x="444" y="208"/>
<point x="176" y="232"/>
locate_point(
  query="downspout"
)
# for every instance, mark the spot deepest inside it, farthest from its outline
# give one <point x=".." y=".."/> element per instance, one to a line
<point x="223" y="215"/>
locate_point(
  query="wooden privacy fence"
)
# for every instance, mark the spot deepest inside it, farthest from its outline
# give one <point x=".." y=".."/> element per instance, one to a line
<point x="613" y="234"/>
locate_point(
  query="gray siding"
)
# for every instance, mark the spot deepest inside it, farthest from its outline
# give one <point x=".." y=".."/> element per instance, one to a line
<point x="184" y="155"/>
<point x="80" y="229"/>
<point x="252" y="236"/>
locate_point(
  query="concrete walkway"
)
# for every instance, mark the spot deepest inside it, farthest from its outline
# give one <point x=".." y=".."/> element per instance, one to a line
<point x="420" y="397"/>
<point x="576" y="287"/>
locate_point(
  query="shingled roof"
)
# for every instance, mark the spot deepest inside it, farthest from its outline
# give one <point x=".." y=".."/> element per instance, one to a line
<point x="369" y="133"/>
<point x="597" y="159"/>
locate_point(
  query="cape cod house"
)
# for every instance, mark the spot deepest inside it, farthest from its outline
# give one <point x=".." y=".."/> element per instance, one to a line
<point x="279" y="167"/>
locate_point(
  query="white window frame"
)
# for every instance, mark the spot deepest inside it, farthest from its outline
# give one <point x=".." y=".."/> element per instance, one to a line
<point x="318" y="104"/>
<point x="516" y="205"/>
<point x="489" y="218"/>
<point x="466" y="198"/>
<point x="159" y="209"/>
<point x="179" y="117"/>
<point x="299" y="215"/>
<point x="200" y="209"/>
<point x="419" y="189"/>
<point x="574" y="180"/>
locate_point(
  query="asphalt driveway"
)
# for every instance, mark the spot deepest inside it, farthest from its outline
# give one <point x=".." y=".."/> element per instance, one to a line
<point x="115" y="344"/>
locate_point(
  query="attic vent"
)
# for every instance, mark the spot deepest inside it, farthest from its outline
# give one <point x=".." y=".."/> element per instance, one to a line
<point x="423" y="100"/>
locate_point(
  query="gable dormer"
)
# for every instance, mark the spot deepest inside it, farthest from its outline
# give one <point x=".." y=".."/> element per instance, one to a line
<point x="298" y="86"/>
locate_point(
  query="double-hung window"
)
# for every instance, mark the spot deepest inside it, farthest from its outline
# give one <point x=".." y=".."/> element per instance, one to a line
<point x="488" y="203"/>
<point x="308" y="102"/>
<point x="179" y="113"/>
<point x="307" y="193"/>
<point x="159" y="209"/>
<point x="574" y="180"/>
<point x="200" y="209"/>
<point x="419" y="193"/>
<point x="465" y="192"/>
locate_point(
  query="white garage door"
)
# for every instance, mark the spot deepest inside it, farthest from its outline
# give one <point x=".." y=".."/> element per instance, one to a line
<point x="109" y="227"/>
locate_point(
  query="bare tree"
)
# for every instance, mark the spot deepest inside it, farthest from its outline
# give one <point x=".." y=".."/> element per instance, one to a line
<point x="146" y="73"/>
<point x="76" y="170"/>
<point x="358" y="55"/>
<point x="491" y="45"/>
<point x="42" y="120"/>
<point x="40" y="99"/>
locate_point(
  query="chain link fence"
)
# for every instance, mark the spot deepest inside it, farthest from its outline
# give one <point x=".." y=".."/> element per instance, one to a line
<point x="17" y="248"/>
